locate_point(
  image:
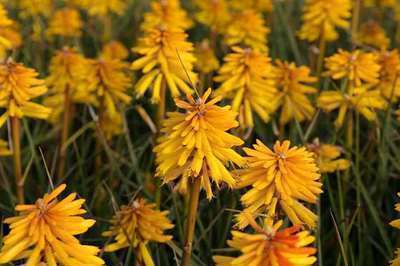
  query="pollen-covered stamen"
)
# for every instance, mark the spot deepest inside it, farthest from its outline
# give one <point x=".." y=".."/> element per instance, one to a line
<point x="281" y="155"/>
<point x="42" y="206"/>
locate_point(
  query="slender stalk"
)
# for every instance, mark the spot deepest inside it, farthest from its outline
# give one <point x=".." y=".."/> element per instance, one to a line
<point x="160" y="118"/>
<point x="16" y="135"/>
<point x="341" y="211"/>
<point x="191" y="221"/>
<point x="321" y="55"/>
<point x="62" y="155"/>
<point x="349" y="130"/>
<point x="107" y="28"/>
<point x="99" y="137"/>
<point x="356" y="20"/>
<point x="319" y="230"/>
<point x="358" y="193"/>
<point x="161" y="105"/>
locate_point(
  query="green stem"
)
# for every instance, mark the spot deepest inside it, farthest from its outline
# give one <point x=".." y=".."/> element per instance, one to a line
<point x="16" y="135"/>
<point x="160" y="118"/>
<point x="191" y="221"/>
<point x="62" y="156"/>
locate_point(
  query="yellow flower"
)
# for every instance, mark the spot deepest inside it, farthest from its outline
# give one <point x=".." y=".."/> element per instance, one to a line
<point x="284" y="175"/>
<point x="110" y="82"/>
<point x="371" y="33"/>
<point x="9" y="37"/>
<point x="111" y="125"/>
<point x="396" y="260"/>
<point x="4" y="20"/>
<point x="292" y="83"/>
<point x="100" y="7"/>
<point x="65" y="22"/>
<point x="206" y="61"/>
<point x="396" y="223"/>
<point x="114" y="50"/>
<point x="18" y="86"/>
<point x="327" y="157"/>
<point x="321" y="17"/>
<point x="137" y="224"/>
<point x="168" y="13"/>
<point x="194" y="144"/>
<point x="247" y="28"/>
<point x="44" y="233"/>
<point x="213" y="13"/>
<point x="259" y="5"/>
<point x="163" y="51"/>
<point x="270" y="245"/>
<point x="356" y="67"/>
<point x="68" y="73"/>
<point x="246" y="79"/>
<point x="37" y="31"/>
<point x="33" y="8"/>
<point x="389" y="83"/>
<point x="361" y="99"/>
<point x="4" y="151"/>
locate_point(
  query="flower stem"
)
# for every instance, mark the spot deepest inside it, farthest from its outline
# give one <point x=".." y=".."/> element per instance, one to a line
<point x="321" y="56"/>
<point x="64" y="135"/>
<point x="355" y="21"/>
<point x="349" y="131"/>
<point x="16" y="133"/>
<point x="161" y="105"/>
<point x="160" y="118"/>
<point x="191" y="221"/>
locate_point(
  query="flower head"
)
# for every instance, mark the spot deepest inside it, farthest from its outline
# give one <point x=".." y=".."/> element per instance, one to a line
<point x="167" y="13"/>
<point x="109" y="81"/>
<point x="270" y="245"/>
<point x="396" y="223"/>
<point x="363" y="100"/>
<point x="114" y="50"/>
<point x="371" y="33"/>
<point x="246" y="79"/>
<point x="396" y="260"/>
<point x="194" y="144"/>
<point x="206" y="61"/>
<point x="137" y="224"/>
<point x="166" y="59"/>
<point x="44" y="233"/>
<point x="321" y="18"/>
<point x="65" y="22"/>
<point x="33" y="8"/>
<point x="327" y="157"/>
<point x="356" y="66"/>
<point x="68" y="73"/>
<point x="213" y="13"/>
<point x="292" y="83"/>
<point x="247" y="28"/>
<point x="389" y="83"/>
<point x="4" y="20"/>
<point x="18" y="86"/>
<point x="286" y="175"/>
<point x="101" y="7"/>
<point x="258" y="5"/>
<point x="9" y="36"/>
<point x="4" y="151"/>
<point x="112" y="125"/>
